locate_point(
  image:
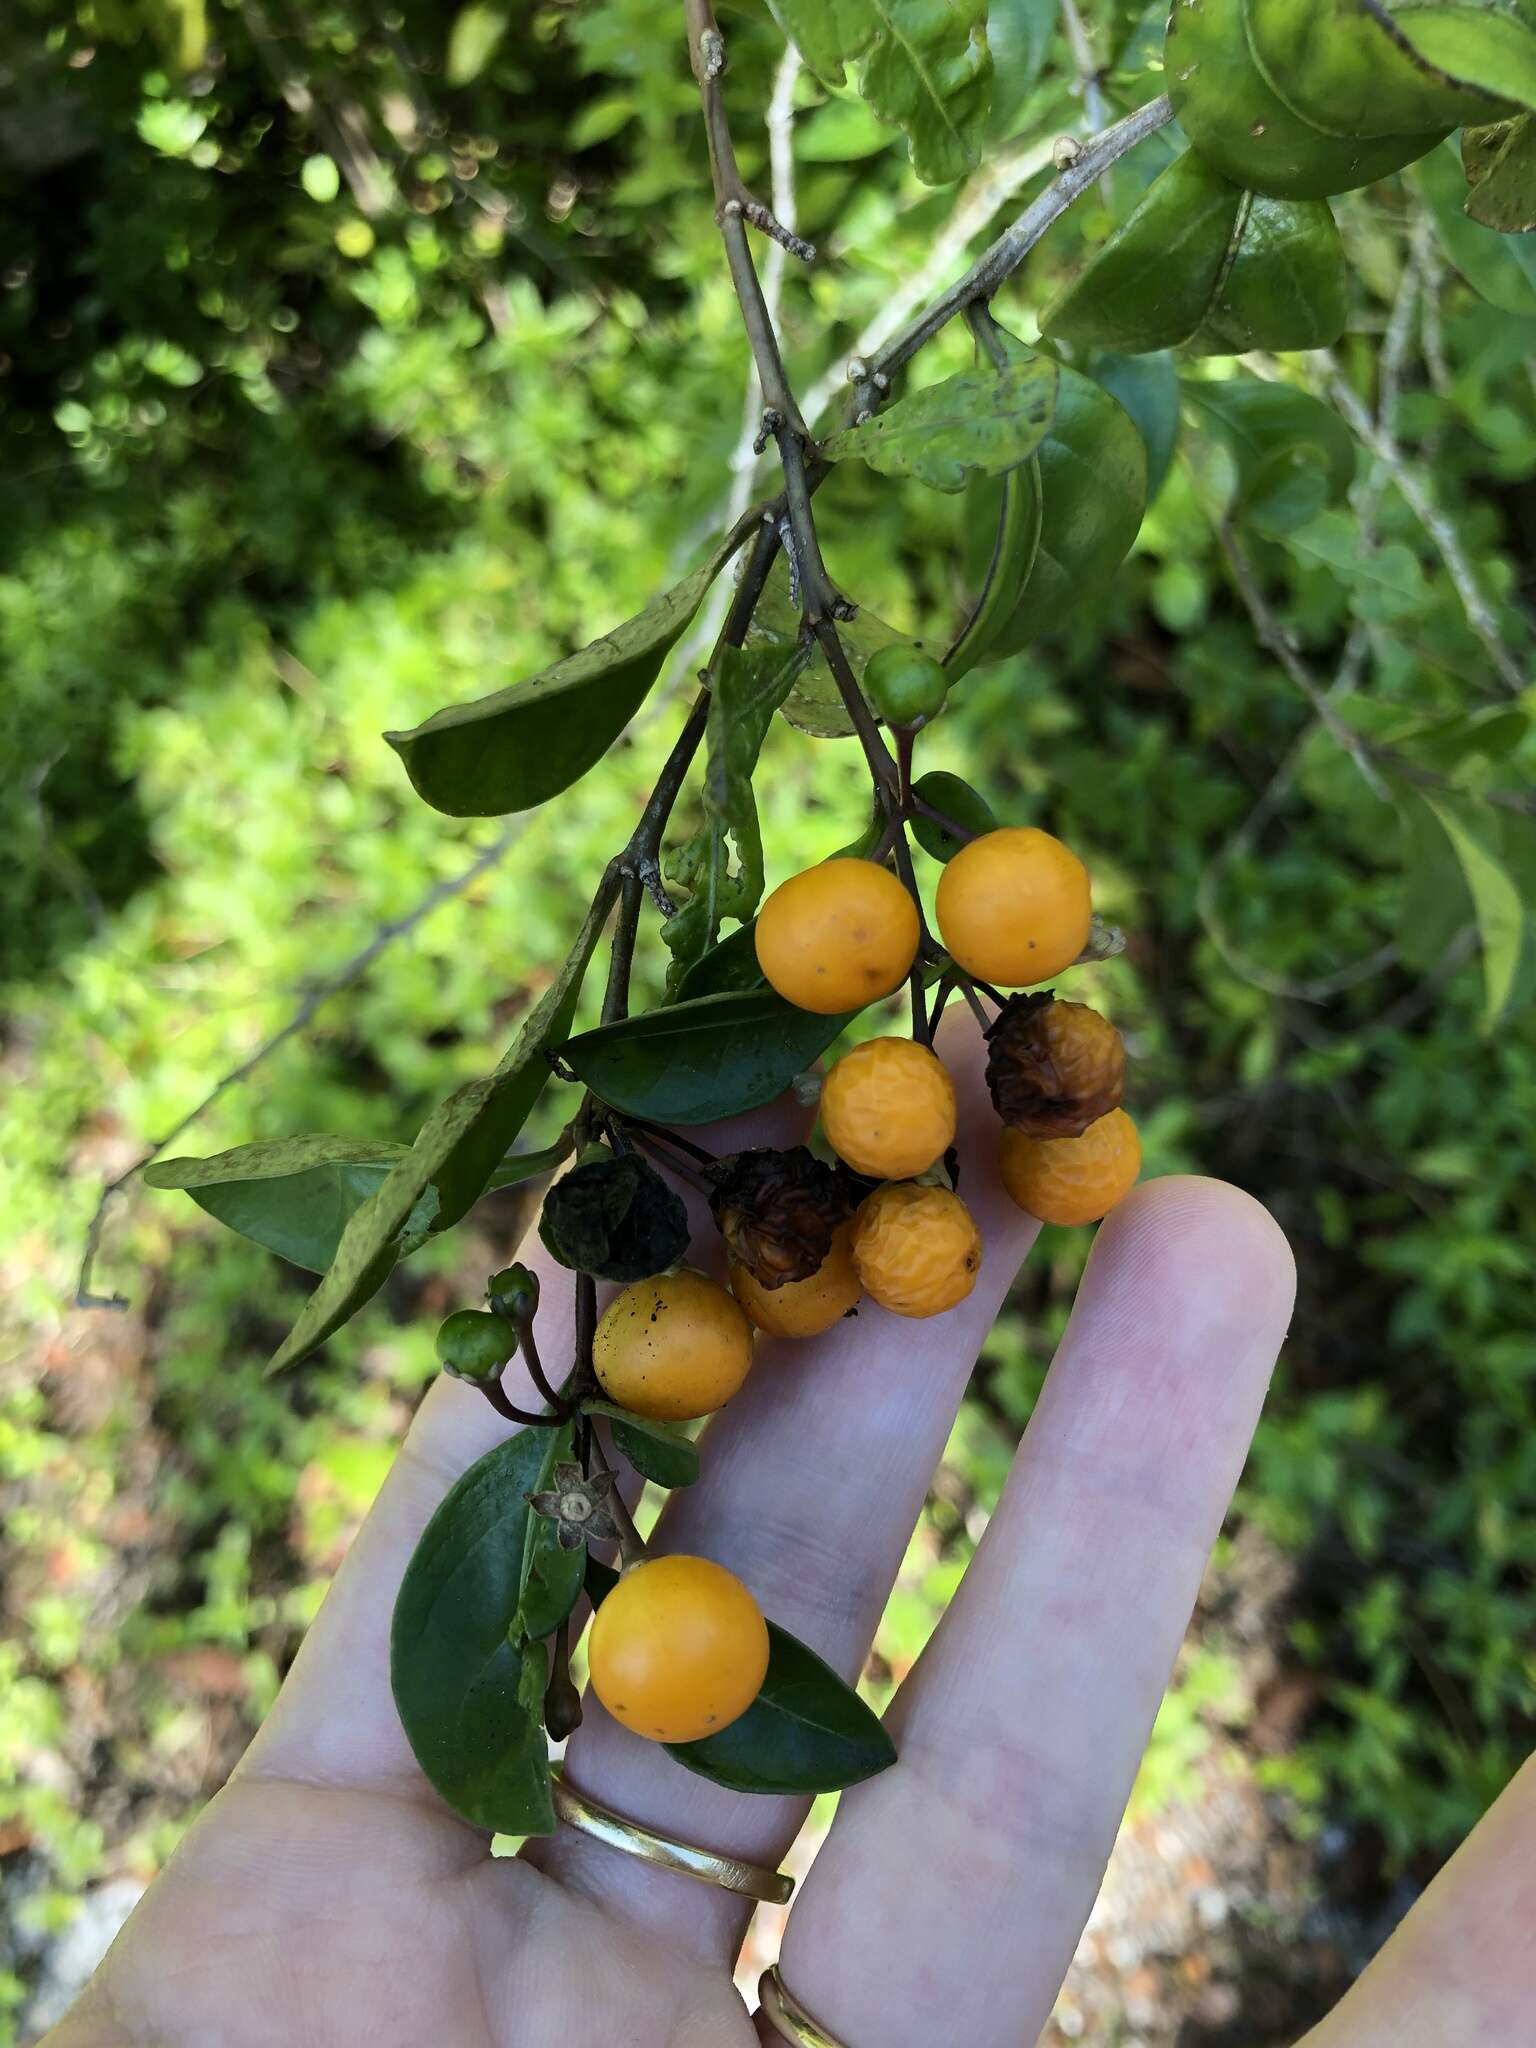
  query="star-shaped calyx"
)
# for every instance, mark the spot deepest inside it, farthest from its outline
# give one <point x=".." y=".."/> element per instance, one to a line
<point x="581" y="1508"/>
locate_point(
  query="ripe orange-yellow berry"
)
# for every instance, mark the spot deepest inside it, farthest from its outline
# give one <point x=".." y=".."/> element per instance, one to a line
<point x="837" y="936"/>
<point x="1072" y="1180"/>
<point x="672" y="1347"/>
<point x="888" y="1108"/>
<point x="678" y="1649"/>
<point x="1013" y="906"/>
<point x="917" y="1249"/>
<point x="804" y="1308"/>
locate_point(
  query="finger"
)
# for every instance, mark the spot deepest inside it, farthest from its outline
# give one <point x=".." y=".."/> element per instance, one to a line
<point x="335" y="1718"/>
<point x="811" y="1483"/>
<point x="1462" y="1967"/>
<point x="950" y="1895"/>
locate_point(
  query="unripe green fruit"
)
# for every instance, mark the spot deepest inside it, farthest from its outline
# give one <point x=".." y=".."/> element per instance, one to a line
<point x="513" y="1292"/>
<point x="904" y="684"/>
<point x="475" y="1345"/>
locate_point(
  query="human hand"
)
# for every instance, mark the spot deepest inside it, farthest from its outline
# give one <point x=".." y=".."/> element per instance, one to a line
<point x="327" y="1895"/>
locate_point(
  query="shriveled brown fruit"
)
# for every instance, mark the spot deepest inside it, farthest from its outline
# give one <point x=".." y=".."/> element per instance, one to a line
<point x="777" y="1212"/>
<point x="1053" y="1068"/>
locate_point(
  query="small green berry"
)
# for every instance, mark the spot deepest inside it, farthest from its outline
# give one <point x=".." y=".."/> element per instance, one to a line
<point x="475" y="1345"/>
<point x="513" y="1292"/>
<point x="905" y="685"/>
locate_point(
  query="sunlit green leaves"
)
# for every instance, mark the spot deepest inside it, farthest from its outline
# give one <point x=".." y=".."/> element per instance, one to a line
<point x="748" y="688"/>
<point x="456" y="1663"/>
<point x="1292" y="454"/>
<point x="979" y="421"/>
<point x="525" y="743"/>
<point x="455" y="1154"/>
<point x="1204" y="265"/>
<point x="925" y="69"/>
<point x="293" y="1195"/>
<point x="696" y="1061"/>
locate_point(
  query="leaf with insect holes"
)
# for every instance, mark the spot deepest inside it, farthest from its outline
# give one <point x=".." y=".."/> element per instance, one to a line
<point x="524" y="744"/>
<point x="456" y="1666"/>
<point x="926" y="69"/>
<point x="806" y="1731"/>
<point x="457" y="1151"/>
<point x="978" y="421"/>
<point x="694" y="1062"/>
<point x="749" y="687"/>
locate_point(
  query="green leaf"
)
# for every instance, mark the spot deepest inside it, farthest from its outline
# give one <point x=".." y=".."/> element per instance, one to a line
<point x="1501" y="268"/>
<point x="730" y="966"/>
<point x="1435" y="903"/>
<point x="698" y="1061"/>
<point x="473" y="40"/>
<point x="455" y="1669"/>
<point x="1202" y="264"/>
<point x="292" y="1195"/>
<point x="1093" y="486"/>
<point x="926" y="69"/>
<point x="1477" y="834"/>
<point x="806" y="1731"/>
<point x="1293" y="453"/>
<point x="1387" y="582"/>
<point x="1148" y="387"/>
<point x="520" y="1166"/>
<point x="815" y="704"/>
<point x="1360" y="70"/>
<point x="524" y="744"/>
<point x="977" y="421"/>
<point x="659" y="1452"/>
<point x="551" y="1578"/>
<point x="1475" y="48"/>
<point x="1500" y="163"/>
<point x="1019" y="35"/>
<point x="458" y="1149"/>
<point x="1015" y="545"/>
<point x="1238" y="121"/>
<point x="956" y="799"/>
<point x="749" y="687"/>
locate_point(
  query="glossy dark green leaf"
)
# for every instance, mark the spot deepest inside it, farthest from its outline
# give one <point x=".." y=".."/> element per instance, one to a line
<point x="725" y="968"/>
<point x="926" y="69"/>
<point x="1287" y="285"/>
<point x="551" y="1579"/>
<point x="657" y="1450"/>
<point x="1502" y="268"/>
<point x="805" y="1732"/>
<point x="1500" y="163"/>
<point x="292" y="1195"/>
<point x="955" y="797"/>
<point x="1152" y="283"/>
<point x="1148" y="387"/>
<point x="525" y="743"/>
<point x="979" y="421"/>
<point x="1293" y="453"/>
<point x="1237" y="120"/>
<point x="457" y="1151"/>
<point x="720" y="867"/>
<point x="697" y="1061"/>
<point x="1384" y="69"/>
<point x="1015" y="544"/>
<point x="1093" y="481"/>
<point x="455" y="1669"/>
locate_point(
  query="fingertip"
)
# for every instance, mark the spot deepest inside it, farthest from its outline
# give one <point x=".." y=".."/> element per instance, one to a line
<point x="1192" y="1225"/>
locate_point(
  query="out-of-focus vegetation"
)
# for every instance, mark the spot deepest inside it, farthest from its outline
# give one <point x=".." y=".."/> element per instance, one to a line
<point x="355" y="360"/>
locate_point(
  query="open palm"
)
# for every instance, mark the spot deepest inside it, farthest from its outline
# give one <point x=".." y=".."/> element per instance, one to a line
<point x="328" y="1897"/>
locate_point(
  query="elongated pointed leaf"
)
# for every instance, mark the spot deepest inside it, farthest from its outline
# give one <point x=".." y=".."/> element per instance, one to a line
<point x="524" y="744"/>
<point x="457" y="1151"/>
<point x="927" y="69"/>
<point x="455" y="1667"/>
<point x="1016" y="543"/>
<point x="806" y="1731"/>
<point x="1504" y="927"/>
<point x="979" y="421"/>
<point x="657" y="1450"/>
<point x="292" y="1195"/>
<point x="697" y="1061"/>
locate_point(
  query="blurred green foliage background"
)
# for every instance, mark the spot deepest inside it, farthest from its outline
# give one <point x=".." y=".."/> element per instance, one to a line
<point x="356" y="360"/>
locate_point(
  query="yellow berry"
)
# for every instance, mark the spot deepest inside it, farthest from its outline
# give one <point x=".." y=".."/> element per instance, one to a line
<point x="837" y="936"/>
<point x="678" y="1650"/>
<point x="1013" y="907"/>
<point x="1072" y="1180"/>
<point x="888" y="1108"/>
<point x="804" y="1308"/>
<point x="917" y="1249"/>
<point x="672" y="1347"/>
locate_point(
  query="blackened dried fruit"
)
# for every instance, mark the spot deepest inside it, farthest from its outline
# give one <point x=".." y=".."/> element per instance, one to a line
<point x="777" y="1212"/>
<point x="615" y="1218"/>
<point x="1053" y="1068"/>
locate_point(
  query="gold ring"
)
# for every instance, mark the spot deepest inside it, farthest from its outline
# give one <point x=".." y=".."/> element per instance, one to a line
<point x="752" y="1880"/>
<point x="788" y="2017"/>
